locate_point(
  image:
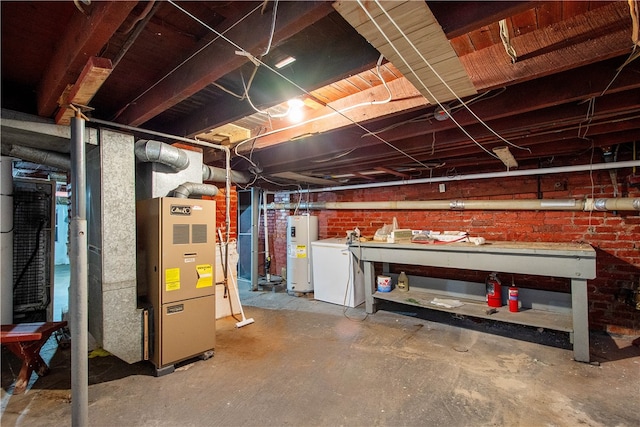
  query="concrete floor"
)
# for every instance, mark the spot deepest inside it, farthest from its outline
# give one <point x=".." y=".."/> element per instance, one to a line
<point x="309" y="363"/>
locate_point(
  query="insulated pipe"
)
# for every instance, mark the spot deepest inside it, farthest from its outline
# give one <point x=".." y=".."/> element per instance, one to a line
<point x="620" y="204"/>
<point x="35" y="155"/>
<point x="212" y="173"/>
<point x="187" y="189"/>
<point x="159" y="152"/>
<point x="79" y="319"/>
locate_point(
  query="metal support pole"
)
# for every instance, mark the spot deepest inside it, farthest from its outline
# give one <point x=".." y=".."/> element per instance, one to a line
<point x="79" y="321"/>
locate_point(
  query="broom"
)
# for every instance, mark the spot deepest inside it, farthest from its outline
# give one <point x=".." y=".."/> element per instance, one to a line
<point x="244" y="320"/>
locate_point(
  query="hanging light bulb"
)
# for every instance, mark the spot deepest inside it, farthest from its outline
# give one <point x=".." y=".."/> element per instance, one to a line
<point x="295" y="114"/>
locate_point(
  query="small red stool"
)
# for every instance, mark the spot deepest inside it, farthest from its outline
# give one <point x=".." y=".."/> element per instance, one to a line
<point x="25" y="340"/>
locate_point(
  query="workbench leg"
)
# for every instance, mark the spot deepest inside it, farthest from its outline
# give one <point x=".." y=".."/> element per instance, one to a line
<point x="29" y="354"/>
<point x="369" y="286"/>
<point x="580" y="311"/>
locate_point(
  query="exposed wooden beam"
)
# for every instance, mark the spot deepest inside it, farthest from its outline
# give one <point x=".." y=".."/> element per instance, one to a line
<point x="460" y="17"/>
<point x="393" y="172"/>
<point x="491" y="67"/>
<point x="404" y="97"/>
<point x="548" y="91"/>
<point x="268" y="90"/>
<point x="85" y="36"/>
<point x="363" y="176"/>
<point x="93" y="75"/>
<point x="220" y="58"/>
<point x="287" y="156"/>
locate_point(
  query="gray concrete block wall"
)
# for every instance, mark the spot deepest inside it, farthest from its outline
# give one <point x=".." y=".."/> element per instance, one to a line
<point x="112" y="289"/>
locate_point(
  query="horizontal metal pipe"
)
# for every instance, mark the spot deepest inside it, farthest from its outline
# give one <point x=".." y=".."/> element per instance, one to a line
<point x="619" y="204"/>
<point x="215" y="174"/>
<point x="41" y="157"/>
<point x="486" y="175"/>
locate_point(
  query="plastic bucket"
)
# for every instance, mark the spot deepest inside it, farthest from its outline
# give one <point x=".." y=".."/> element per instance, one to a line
<point x="384" y="284"/>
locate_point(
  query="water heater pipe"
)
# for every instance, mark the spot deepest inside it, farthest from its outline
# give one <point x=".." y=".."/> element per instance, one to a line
<point x="187" y="189"/>
<point x="619" y="204"/>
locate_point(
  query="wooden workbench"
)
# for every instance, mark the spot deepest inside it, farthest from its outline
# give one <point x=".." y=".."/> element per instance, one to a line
<point x="574" y="261"/>
<point x="25" y="341"/>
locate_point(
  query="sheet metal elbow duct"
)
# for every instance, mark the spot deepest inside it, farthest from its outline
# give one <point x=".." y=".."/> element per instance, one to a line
<point x="212" y="173"/>
<point x="159" y="152"/>
<point x="187" y="189"/>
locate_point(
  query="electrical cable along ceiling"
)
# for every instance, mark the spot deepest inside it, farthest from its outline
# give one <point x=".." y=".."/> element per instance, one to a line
<point x="458" y="82"/>
<point x="409" y="36"/>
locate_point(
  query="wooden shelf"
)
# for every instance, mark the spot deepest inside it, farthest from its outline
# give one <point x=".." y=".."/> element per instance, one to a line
<point x="530" y="317"/>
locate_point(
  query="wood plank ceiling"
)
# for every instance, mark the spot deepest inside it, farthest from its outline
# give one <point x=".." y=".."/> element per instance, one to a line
<point x="544" y="77"/>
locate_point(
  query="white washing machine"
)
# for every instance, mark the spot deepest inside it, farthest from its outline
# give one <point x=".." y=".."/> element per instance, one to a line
<point x="336" y="276"/>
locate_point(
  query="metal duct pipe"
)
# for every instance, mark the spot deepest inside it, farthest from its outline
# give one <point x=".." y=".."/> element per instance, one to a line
<point x="619" y="204"/>
<point x="41" y="157"/>
<point x="187" y="189"/>
<point x="159" y="152"/>
<point x="212" y="173"/>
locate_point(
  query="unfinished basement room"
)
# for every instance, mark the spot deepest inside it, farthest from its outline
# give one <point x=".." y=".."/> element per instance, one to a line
<point x="320" y="213"/>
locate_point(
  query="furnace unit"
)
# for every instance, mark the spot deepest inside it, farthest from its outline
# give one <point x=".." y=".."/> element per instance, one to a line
<point x="176" y="261"/>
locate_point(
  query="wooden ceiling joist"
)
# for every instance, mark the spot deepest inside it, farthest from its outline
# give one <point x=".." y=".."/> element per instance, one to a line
<point x="218" y="59"/>
<point x="94" y="74"/>
<point x="85" y="37"/>
<point x="409" y="27"/>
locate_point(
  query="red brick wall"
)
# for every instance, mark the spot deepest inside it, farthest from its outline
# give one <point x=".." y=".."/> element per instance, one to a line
<point x="614" y="235"/>
<point x="221" y="212"/>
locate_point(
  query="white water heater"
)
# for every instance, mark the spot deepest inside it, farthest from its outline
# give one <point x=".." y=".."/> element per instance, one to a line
<point x="301" y="231"/>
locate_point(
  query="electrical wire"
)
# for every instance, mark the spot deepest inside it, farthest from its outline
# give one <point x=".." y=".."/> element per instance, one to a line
<point x="219" y="35"/>
<point x="342" y="110"/>
<point x="350" y="280"/>
<point x="273" y="27"/>
<point x="442" y="80"/>
<point x="437" y="75"/>
<point x="429" y="116"/>
<point x="288" y="80"/>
